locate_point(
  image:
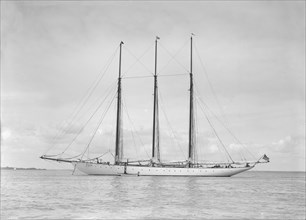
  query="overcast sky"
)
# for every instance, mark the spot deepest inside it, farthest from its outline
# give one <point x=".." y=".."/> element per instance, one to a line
<point x="253" y="53"/>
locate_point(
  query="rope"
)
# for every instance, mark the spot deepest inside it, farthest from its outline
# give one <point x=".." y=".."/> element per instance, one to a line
<point x="74" y="169"/>
<point x="131" y="130"/>
<point x="90" y="159"/>
<point x="228" y="130"/>
<point x="180" y="74"/>
<point x="93" y="104"/>
<point x="82" y="102"/>
<point x="173" y="57"/>
<point x="133" y="77"/>
<point x="101" y="120"/>
<point x="222" y="144"/>
<point x="52" y="155"/>
<point x="138" y="60"/>
<point x="211" y="87"/>
<point x="168" y="123"/>
<point x="211" y="132"/>
<point x="219" y="105"/>
<point x="79" y="132"/>
<point x="71" y="157"/>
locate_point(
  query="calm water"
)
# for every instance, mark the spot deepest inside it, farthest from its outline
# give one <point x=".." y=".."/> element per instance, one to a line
<point x="59" y="195"/>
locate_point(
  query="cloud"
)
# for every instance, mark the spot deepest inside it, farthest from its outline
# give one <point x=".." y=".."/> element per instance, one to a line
<point x="6" y="134"/>
<point x="289" y="144"/>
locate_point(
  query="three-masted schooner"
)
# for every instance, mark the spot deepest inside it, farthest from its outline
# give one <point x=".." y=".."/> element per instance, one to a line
<point x="154" y="166"/>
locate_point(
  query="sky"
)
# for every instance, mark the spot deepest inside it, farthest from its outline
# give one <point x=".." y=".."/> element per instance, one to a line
<point x="249" y="69"/>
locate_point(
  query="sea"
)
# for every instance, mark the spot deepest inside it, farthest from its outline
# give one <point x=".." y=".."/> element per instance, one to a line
<point x="57" y="194"/>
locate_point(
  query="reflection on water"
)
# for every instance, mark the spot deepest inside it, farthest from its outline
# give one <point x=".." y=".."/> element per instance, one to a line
<point x="59" y="195"/>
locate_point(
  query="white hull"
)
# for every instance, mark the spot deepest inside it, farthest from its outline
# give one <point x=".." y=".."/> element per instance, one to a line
<point x="104" y="169"/>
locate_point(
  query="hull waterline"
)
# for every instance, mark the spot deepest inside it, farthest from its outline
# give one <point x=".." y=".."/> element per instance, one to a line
<point x="117" y="170"/>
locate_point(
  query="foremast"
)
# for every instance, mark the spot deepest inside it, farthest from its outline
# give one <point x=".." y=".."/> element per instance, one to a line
<point x="119" y="144"/>
<point x="155" y="139"/>
<point x="191" y="148"/>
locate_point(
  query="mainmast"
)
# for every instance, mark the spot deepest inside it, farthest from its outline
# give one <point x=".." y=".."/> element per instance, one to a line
<point x="155" y="142"/>
<point x="119" y="149"/>
<point x="191" y="114"/>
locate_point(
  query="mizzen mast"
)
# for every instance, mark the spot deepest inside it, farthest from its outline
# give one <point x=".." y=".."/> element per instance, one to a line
<point x="119" y="144"/>
<point x="191" y="114"/>
<point x="155" y="141"/>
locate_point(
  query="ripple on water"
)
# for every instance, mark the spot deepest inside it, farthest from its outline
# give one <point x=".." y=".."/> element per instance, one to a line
<point x="59" y="195"/>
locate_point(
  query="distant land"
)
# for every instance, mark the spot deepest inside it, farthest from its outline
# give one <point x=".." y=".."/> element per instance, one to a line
<point x="18" y="168"/>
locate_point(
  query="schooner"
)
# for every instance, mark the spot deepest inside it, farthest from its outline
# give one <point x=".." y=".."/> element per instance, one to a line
<point x="154" y="166"/>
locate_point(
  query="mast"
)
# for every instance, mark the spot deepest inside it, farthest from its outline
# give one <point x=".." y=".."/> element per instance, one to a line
<point x="191" y="113"/>
<point x="155" y="142"/>
<point x="118" y="152"/>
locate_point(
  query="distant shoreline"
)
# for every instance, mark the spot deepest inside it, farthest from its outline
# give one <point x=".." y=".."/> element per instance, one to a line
<point x="18" y="168"/>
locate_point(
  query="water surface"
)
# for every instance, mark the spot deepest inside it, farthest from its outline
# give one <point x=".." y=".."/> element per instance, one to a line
<point x="55" y="194"/>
